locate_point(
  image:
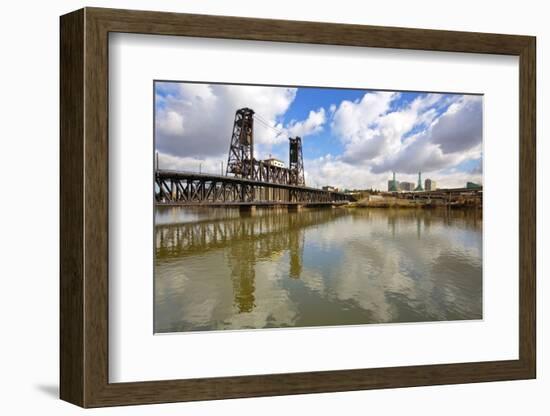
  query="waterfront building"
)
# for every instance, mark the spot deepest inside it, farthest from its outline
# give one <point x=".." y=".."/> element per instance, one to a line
<point x="406" y="186"/>
<point x="430" y="185"/>
<point x="274" y="162"/>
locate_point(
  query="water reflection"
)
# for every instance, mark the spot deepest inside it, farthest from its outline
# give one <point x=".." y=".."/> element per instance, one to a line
<point x="215" y="269"/>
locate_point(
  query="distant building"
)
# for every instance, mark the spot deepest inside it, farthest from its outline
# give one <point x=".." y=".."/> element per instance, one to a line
<point x="274" y="162"/>
<point x="393" y="185"/>
<point x="375" y="198"/>
<point x="330" y="188"/>
<point x="472" y="185"/>
<point x="406" y="186"/>
<point x="419" y="185"/>
<point x="430" y="185"/>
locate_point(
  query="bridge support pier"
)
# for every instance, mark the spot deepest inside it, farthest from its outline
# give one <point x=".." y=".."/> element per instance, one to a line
<point x="295" y="207"/>
<point x="247" y="210"/>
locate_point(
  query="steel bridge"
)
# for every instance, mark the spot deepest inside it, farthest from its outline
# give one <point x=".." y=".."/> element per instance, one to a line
<point x="190" y="188"/>
<point x="247" y="181"/>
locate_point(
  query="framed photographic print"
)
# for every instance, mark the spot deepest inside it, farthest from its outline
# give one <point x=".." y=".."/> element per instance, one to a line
<point x="255" y="207"/>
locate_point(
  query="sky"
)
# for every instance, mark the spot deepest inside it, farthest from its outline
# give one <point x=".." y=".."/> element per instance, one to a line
<point x="352" y="139"/>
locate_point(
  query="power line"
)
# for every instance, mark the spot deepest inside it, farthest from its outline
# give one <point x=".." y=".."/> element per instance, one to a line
<point x="263" y="121"/>
<point x="261" y="117"/>
<point x="266" y="124"/>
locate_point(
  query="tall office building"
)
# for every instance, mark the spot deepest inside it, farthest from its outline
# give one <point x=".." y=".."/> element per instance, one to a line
<point x="419" y="186"/>
<point x="406" y="186"/>
<point x="430" y="185"/>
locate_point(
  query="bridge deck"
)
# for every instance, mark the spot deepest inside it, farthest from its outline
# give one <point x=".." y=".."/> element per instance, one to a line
<point x="192" y="188"/>
<point x="173" y="174"/>
<point x="251" y="203"/>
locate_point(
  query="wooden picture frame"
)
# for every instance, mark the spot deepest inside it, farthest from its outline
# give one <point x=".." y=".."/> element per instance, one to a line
<point x="84" y="207"/>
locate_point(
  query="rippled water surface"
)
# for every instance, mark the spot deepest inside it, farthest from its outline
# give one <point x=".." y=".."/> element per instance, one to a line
<point x="218" y="269"/>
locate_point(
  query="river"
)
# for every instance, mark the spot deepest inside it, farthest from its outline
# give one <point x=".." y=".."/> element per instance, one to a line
<point x="217" y="269"/>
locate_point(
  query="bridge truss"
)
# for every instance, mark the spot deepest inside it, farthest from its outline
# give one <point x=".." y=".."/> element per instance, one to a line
<point x="188" y="188"/>
<point x="242" y="164"/>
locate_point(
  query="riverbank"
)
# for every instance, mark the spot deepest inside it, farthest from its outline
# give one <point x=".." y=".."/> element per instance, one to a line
<point x="377" y="201"/>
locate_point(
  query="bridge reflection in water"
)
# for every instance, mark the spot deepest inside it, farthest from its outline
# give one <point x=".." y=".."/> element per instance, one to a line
<point x="248" y="240"/>
<point x="215" y="269"/>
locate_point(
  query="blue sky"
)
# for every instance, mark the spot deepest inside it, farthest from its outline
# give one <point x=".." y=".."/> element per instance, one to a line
<point x="351" y="138"/>
<point x="313" y="98"/>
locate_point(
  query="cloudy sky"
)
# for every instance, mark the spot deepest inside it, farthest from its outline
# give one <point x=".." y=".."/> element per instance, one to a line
<point x="352" y="139"/>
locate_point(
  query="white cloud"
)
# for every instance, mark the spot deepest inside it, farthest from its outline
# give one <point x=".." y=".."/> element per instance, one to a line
<point x="196" y="120"/>
<point x="210" y="164"/>
<point x="379" y="139"/>
<point x="312" y="125"/>
<point x="379" y="133"/>
<point x="329" y="170"/>
<point x="451" y="139"/>
<point x="352" y="120"/>
<point x="421" y="154"/>
<point x="371" y="132"/>
<point x="460" y="128"/>
<point x="170" y="123"/>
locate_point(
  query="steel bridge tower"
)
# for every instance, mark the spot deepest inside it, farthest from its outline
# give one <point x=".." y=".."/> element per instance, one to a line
<point x="296" y="162"/>
<point x="241" y="150"/>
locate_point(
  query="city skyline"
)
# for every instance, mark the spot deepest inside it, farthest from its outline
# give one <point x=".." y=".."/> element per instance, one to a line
<point x="352" y="139"/>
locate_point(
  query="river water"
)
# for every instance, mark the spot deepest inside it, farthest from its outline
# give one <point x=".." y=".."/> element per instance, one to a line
<point x="218" y="269"/>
